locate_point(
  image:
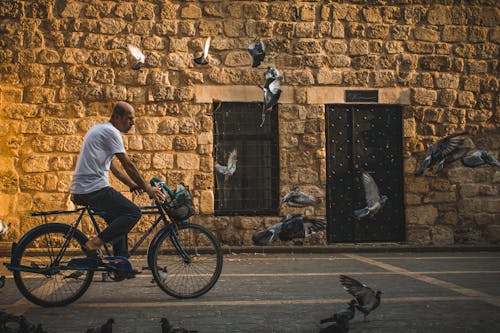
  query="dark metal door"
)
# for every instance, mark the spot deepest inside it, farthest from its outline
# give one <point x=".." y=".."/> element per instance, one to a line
<point x="364" y="137"/>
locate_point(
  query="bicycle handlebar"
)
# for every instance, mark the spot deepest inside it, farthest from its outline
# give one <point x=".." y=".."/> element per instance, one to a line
<point x="157" y="182"/>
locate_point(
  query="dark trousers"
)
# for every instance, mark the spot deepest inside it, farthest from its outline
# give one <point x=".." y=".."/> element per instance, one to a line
<point x="121" y="215"/>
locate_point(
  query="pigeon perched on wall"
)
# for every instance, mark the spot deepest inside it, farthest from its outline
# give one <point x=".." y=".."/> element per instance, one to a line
<point x="297" y="198"/>
<point x="440" y="151"/>
<point x="138" y="55"/>
<point x="374" y="201"/>
<point x="478" y="158"/>
<point x="367" y="299"/>
<point x="342" y="315"/>
<point x="299" y="226"/>
<point x="203" y="59"/>
<point x="229" y="169"/>
<point x="258" y="52"/>
<point x="272" y="95"/>
<point x="105" y="328"/>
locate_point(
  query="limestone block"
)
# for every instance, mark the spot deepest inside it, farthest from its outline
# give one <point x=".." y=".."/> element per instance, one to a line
<point x="446" y="97"/>
<point x="426" y="33"/>
<point x="157" y="142"/>
<point x="43" y="143"/>
<point x="238" y="59"/>
<point x="94" y="41"/>
<point x="184" y="143"/>
<point x="476" y="66"/>
<point x="400" y="32"/>
<point x="234" y="27"/>
<point x="186" y="161"/>
<point x="472" y="83"/>
<point x="203" y="181"/>
<point x="168" y="126"/>
<point x="446" y="80"/>
<point x="358" y="47"/>
<point x="105" y="75"/>
<point x="58" y="126"/>
<point x="162" y="161"/>
<point x="420" y="47"/>
<point x="79" y="74"/>
<point x="205" y="138"/>
<point x="49" y="201"/>
<point x="439" y="197"/>
<point x="442" y="235"/>
<point x="207" y="202"/>
<point x="492" y="205"/>
<point x="305" y="46"/>
<point x="422" y="215"/>
<point x="32" y="182"/>
<point x="61" y="163"/>
<point x="68" y="144"/>
<point x="383" y="79"/>
<point x="39" y="95"/>
<point x="178" y="61"/>
<point x="418" y="235"/>
<point x="283" y="11"/>
<point x="141" y="160"/>
<point x="147" y="125"/>
<point x="435" y="63"/>
<point x="72" y="9"/>
<point x="299" y="77"/>
<point x="116" y="92"/>
<point x="166" y="28"/>
<point x="35" y="163"/>
<point x="339" y="61"/>
<point x="409" y="128"/>
<point x="335" y="47"/>
<point x="492" y="233"/>
<point x="424" y="96"/>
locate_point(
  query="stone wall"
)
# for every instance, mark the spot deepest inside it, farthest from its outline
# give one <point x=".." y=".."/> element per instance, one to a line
<point x="64" y="63"/>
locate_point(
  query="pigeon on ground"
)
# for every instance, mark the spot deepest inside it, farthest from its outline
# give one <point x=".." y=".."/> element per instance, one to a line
<point x="4" y="229"/>
<point x="272" y="95"/>
<point x="441" y="151"/>
<point x="478" y="158"/>
<point x="203" y="59"/>
<point x="264" y="237"/>
<point x="229" y="169"/>
<point x="296" y="198"/>
<point x="374" y="201"/>
<point x="138" y="55"/>
<point x="258" y="52"/>
<point x="299" y="226"/>
<point x="367" y="299"/>
<point x="341" y="326"/>
<point x="2" y="281"/>
<point x="105" y="328"/>
<point x="346" y="314"/>
<point x="166" y="327"/>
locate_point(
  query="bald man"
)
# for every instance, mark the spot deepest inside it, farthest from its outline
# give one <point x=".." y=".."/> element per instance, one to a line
<point x="90" y="184"/>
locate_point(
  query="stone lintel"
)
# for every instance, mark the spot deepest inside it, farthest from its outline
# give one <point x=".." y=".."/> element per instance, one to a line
<point x="336" y="95"/>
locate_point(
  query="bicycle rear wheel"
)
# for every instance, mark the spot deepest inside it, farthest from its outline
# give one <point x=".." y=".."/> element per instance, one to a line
<point x="53" y="286"/>
<point x="187" y="261"/>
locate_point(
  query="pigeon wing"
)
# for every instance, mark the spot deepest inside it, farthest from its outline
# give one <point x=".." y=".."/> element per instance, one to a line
<point x="288" y="197"/>
<point x="312" y="226"/>
<point x="372" y="194"/>
<point x="474" y="160"/>
<point x="489" y="159"/>
<point x="207" y="47"/>
<point x="354" y="287"/>
<point x="222" y="169"/>
<point x="447" y="145"/>
<point x="275" y="86"/>
<point x="231" y="161"/>
<point x="136" y="53"/>
<point x="456" y="154"/>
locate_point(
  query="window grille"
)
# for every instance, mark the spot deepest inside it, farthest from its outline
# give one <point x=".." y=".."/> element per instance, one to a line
<point x="254" y="188"/>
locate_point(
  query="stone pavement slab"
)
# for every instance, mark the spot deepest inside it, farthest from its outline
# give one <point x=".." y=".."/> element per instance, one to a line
<point x="285" y="292"/>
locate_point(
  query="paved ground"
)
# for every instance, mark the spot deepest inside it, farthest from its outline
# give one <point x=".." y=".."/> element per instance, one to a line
<point x="259" y="292"/>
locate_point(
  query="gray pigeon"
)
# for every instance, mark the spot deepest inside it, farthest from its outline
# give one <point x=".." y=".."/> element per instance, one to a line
<point x="366" y="298"/>
<point x="229" y="169"/>
<point x="296" y="198"/>
<point x="440" y="151"/>
<point x="105" y="328"/>
<point x="374" y="201"/>
<point x="346" y="314"/>
<point x="478" y="158"/>
<point x="299" y="226"/>
<point x="272" y="93"/>
<point x="203" y="59"/>
<point x="138" y="55"/>
<point x="341" y="326"/>
<point x="258" y="52"/>
<point x="264" y="237"/>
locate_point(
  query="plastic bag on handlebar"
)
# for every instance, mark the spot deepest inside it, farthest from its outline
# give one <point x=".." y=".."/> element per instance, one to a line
<point x="181" y="207"/>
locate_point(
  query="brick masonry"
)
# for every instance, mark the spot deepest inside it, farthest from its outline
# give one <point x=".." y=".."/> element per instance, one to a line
<point x="63" y="64"/>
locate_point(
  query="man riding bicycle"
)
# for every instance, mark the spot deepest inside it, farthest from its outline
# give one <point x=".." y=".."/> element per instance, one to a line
<point x="90" y="184"/>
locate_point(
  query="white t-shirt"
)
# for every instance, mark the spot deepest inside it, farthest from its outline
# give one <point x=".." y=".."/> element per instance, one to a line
<point x="100" y="145"/>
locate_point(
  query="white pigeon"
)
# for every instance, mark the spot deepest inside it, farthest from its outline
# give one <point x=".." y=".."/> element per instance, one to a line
<point x="272" y="95"/>
<point x="4" y="229"/>
<point x="229" y="169"/>
<point x="203" y="59"/>
<point x="138" y="55"/>
<point x="374" y="201"/>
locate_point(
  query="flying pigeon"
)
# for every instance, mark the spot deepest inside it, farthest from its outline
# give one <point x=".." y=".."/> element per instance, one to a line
<point x="166" y="327"/>
<point x="346" y="314"/>
<point x="2" y="281"/>
<point x="4" y="229"/>
<point x="105" y="328"/>
<point x="264" y="237"/>
<point x="271" y="74"/>
<point x="478" y="158"/>
<point x="367" y="299"/>
<point x="440" y="152"/>
<point x="341" y="326"/>
<point x="138" y="55"/>
<point x="299" y="226"/>
<point x="272" y="95"/>
<point x="229" y="169"/>
<point x="258" y="52"/>
<point x="203" y="59"/>
<point x="374" y="201"/>
<point x="296" y="198"/>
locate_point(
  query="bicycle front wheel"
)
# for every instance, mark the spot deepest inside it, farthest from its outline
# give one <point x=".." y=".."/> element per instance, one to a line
<point x="50" y="284"/>
<point x="187" y="261"/>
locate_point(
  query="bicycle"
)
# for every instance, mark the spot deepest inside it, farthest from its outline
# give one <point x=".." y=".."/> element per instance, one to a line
<point x="51" y="268"/>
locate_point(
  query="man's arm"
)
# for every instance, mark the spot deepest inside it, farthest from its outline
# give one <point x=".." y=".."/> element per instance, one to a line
<point x="122" y="176"/>
<point x="137" y="178"/>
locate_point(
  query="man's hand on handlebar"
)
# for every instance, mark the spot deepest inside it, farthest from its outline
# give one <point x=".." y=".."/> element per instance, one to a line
<point x="136" y="189"/>
<point x="155" y="193"/>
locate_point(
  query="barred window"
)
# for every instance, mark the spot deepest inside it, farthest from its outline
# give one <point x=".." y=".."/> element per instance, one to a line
<point x="253" y="189"/>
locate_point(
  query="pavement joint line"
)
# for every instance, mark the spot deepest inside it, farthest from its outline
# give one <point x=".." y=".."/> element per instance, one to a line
<point x="181" y="303"/>
<point x="231" y="259"/>
<point x="431" y="280"/>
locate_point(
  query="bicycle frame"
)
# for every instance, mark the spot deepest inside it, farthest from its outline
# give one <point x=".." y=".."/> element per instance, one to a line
<point x="170" y="227"/>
